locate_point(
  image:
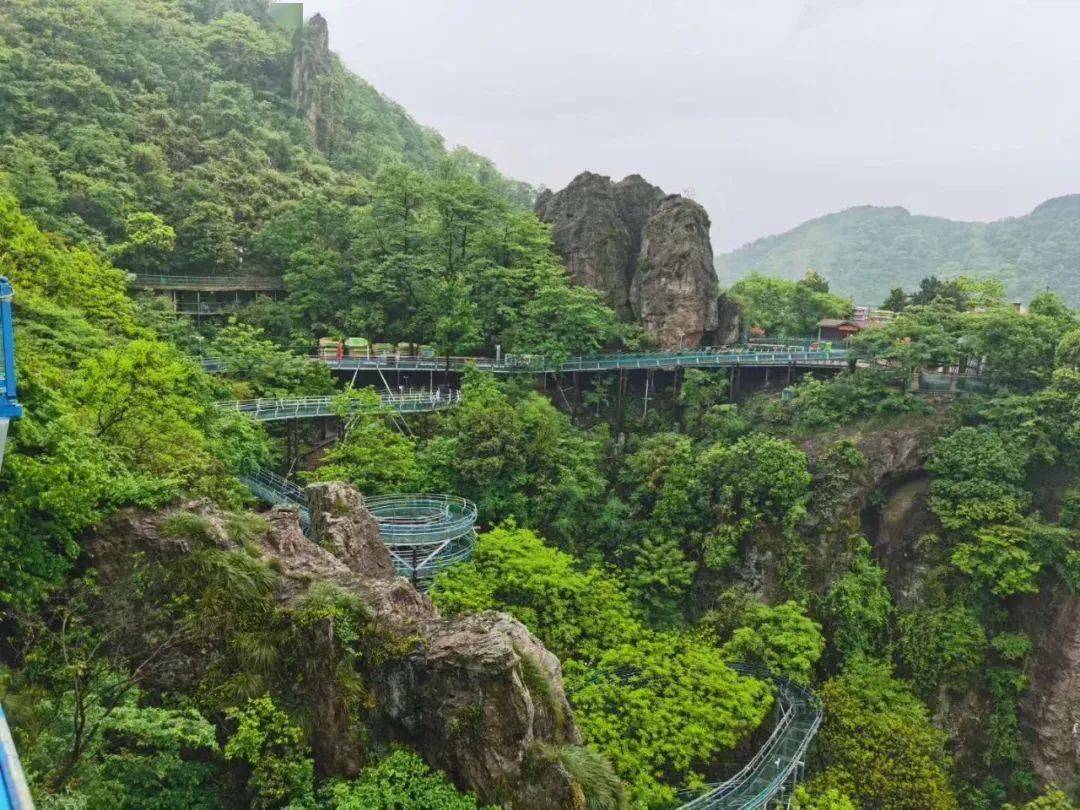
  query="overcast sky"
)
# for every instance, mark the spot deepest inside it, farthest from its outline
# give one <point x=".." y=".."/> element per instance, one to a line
<point x="769" y="111"/>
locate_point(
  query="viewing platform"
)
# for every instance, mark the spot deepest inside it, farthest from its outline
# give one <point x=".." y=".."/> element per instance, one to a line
<point x="424" y="533"/>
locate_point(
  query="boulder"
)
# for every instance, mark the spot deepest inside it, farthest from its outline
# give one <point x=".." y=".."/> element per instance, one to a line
<point x="647" y="253"/>
<point x="592" y="237"/>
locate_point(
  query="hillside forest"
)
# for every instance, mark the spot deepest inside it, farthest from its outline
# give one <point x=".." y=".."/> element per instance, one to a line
<point x="865" y="252"/>
<point x="166" y="641"/>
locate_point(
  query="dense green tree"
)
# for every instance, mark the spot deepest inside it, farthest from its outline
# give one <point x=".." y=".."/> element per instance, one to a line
<point x="857" y="609"/>
<point x="785" y="307"/>
<point x="521" y="459"/>
<point x="373" y="455"/>
<point x="878" y="746"/>
<point x="659" y="705"/>
<point x="282" y="771"/>
<point x="783" y="638"/>
<point x="978" y="478"/>
<point x="941" y="647"/>
<point x="400" y="781"/>
<point x="258" y="367"/>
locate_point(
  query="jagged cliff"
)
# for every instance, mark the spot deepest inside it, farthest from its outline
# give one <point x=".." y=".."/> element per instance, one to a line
<point x="648" y="253"/>
<point x="478" y="695"/>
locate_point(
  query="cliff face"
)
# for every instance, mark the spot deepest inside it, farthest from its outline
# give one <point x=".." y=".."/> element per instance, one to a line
<point x="648" y="253"/>
<point x="478" y="696"/>
<point x="1050" y="710"/>
<point x="312" y="61"/>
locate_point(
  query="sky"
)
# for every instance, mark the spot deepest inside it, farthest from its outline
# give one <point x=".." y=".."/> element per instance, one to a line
<point x="767" y="112"/>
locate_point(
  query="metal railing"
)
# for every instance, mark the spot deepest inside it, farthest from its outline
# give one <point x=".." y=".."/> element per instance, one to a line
<point x="778" y="764"/>
<point x="14" y="793"/>
<point x="723" y="357"/>
<point x="424" y="533"/>
<point x="165" y="281"/>
<point x="408" y="401"/>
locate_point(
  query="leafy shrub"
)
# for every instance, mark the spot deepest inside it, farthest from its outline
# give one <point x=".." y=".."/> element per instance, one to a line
<point x="400" y="781"/>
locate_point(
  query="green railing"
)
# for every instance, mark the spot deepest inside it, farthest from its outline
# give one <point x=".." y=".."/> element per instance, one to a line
<point x="511" y="364"/>
<point x="158" y="281"/>
<point x="410" y="401"/>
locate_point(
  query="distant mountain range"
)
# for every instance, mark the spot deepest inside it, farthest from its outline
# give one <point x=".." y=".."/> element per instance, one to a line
<point x="866" y="251"/>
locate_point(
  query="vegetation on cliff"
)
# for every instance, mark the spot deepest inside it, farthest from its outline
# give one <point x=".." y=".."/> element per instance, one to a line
<point x="647" y="536"/>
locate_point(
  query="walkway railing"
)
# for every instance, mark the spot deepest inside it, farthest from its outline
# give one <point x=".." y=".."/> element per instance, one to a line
<point x="424" y="533"/>
<point x="409" y="401"/>
<point x="697" y="358"/>
<point x="778" y="765"/>
<point x="158" y="281"/>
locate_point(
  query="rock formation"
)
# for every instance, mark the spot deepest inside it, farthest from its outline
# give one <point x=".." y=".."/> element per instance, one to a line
<point x="477" y="695"/>
<point x="312" y="60"/>
<point x="648" y="253"/>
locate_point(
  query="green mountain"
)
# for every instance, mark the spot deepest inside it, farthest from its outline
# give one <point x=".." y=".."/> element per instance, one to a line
<point x="207" y="114"/>
<point x="866" y="251"/>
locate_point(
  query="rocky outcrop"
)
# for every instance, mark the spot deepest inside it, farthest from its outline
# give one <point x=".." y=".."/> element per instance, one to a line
<point x="476" y="700"/>
<point x="477" y="695"/>
<point x="674" y="285"/>
<point x="648" y="253"/>
<point x="1050" y="710"/>
<point x="312" y="60"/>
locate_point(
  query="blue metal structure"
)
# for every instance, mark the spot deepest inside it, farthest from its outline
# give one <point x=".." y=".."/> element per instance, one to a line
<point x="9" y="398"/>
<point x="14" y="793"/>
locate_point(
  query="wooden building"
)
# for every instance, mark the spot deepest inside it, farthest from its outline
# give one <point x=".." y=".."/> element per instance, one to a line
<point x="836" y="329"/>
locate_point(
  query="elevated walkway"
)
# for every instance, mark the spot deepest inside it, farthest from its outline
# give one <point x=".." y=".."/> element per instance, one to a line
<point x="701" y="358"/>
<point x="413" y="401"/>
<point x="778" y="766"/>
<point x="424" y="533"/>
<point x="152" y="281"/>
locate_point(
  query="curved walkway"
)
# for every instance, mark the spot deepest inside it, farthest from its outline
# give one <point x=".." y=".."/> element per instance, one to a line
<point x="424" y="533"/>
<point x="778" y="765"/>
<point x="410" y="401"/>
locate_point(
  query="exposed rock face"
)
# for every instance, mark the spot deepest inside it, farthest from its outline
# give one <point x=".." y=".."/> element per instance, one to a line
<point x="592" y="237"/>
<point x="674" y="286"/>
<point x="477" y="696"/>
<point x="312" y="60"/>
<point x="647" y="253"/>
<point x="347" y="530"/>
<point x="476" y="699"/>
<point x="1050" y="710"/>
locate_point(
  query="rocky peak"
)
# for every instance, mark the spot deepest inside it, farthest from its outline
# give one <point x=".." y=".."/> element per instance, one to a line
<point x="647" y="252"/>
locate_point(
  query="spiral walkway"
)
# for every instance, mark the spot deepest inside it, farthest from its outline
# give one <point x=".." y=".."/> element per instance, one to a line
<point x="424" y="533"/>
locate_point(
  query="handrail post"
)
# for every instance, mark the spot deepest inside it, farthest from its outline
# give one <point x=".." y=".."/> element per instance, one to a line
<point x="7" y="334"/>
